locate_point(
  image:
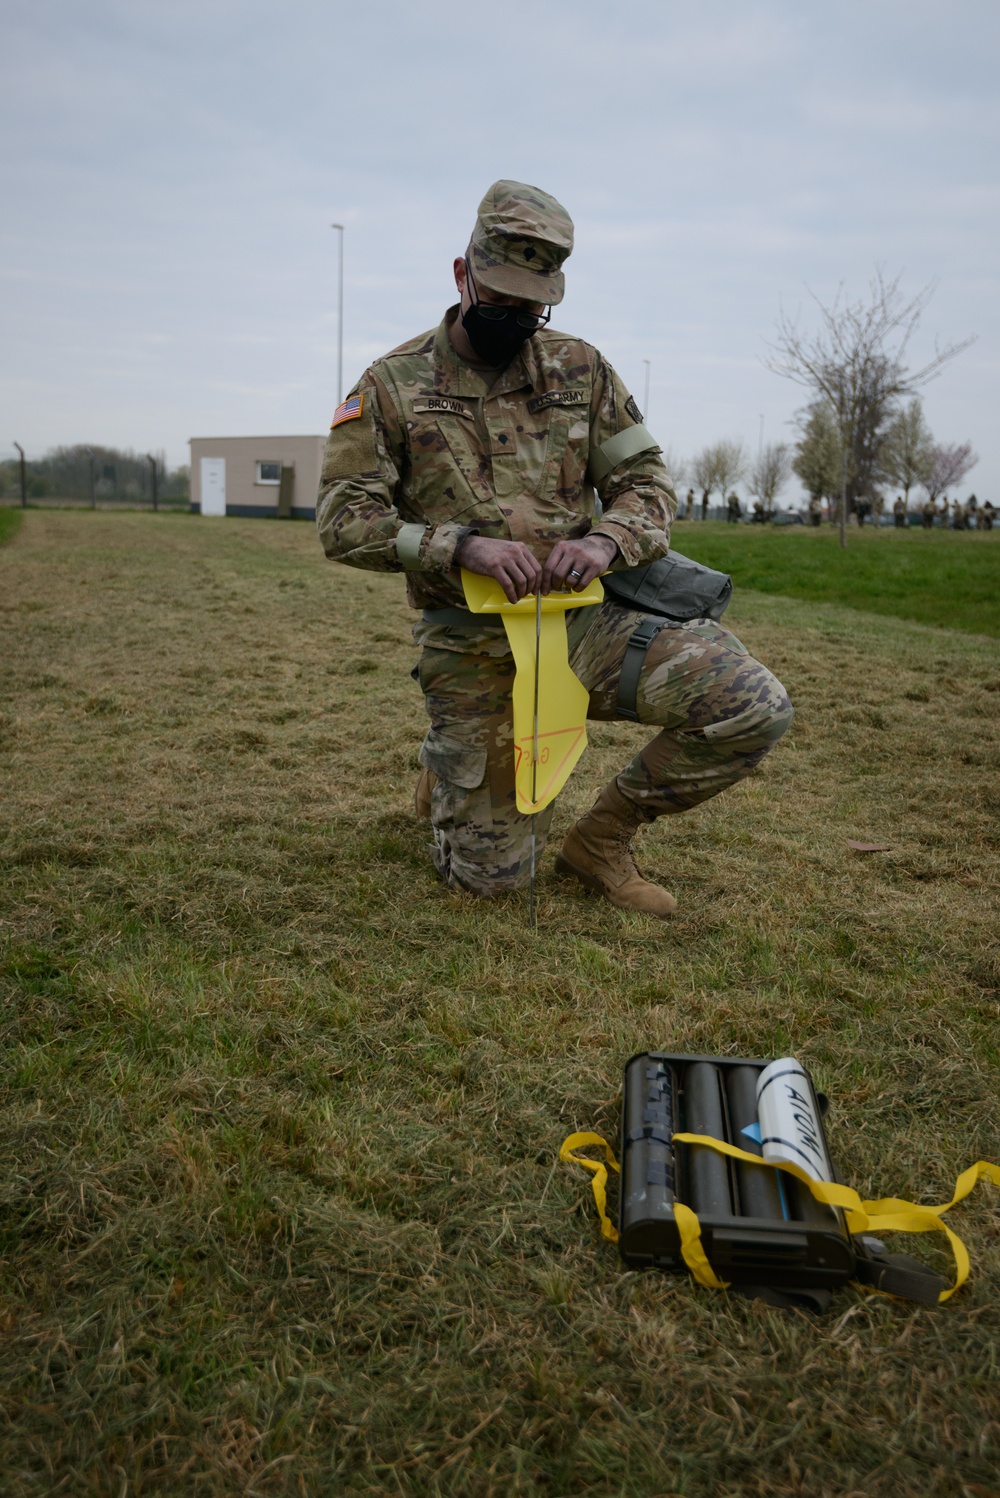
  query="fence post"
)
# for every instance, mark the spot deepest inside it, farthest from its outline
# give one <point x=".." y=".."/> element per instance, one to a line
<point x="24" y="478"/>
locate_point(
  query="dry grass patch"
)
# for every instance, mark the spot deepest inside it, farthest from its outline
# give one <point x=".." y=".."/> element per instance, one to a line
<point x="281" y="1213"/>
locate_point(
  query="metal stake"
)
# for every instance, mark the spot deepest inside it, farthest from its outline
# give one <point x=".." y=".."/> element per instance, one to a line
<point x="532" y="913"/>
<point x="24" y="478"/>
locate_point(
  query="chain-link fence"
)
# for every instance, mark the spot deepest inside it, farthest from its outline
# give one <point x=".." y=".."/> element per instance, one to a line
<point x="95" y="477"/>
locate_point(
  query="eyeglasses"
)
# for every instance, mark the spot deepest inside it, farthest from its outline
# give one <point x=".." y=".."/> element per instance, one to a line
<point x="491" y="313"/>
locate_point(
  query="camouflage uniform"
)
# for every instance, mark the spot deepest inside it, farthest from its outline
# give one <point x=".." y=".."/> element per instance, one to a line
<point x="428" y="450"/>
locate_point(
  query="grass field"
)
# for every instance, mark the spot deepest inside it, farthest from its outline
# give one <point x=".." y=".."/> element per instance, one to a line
<point x="10" y="521"/>
<point x="949" y="578"/>
<point x="281" y="1212"/>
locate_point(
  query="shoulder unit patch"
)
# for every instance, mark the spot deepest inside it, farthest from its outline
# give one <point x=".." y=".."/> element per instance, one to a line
<point x="348" y="410"/>
<point x="633" y="410"/>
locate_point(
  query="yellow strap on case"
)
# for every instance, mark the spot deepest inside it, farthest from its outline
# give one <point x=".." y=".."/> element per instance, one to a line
<point x="599" y="1175"/>
<point x="890" y="1215"/>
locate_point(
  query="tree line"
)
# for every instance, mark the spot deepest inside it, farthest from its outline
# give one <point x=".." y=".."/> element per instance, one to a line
<point x="899" y="452"/>
<point x="721" y="466"/>
<point x="864" y="427"/>
<point x="95" y="473"/>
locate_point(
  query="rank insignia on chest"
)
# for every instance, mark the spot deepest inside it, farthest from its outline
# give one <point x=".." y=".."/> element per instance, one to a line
<point x="348" y="410"/>
<point x="557" y="398"/>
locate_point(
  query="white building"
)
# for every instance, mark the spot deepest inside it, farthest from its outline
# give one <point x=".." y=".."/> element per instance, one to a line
<point x="256" y="476"/>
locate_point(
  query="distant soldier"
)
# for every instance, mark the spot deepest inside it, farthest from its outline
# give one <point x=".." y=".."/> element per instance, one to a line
<point x="879" y="508"/>
<point x="928" y="513"/>
<point x="943" y="513"/>
<point x="704" y="504"/>
<point x="759" y="513"/>
<point x="689" y="505"/>
<point x="733" y="511"/>
<point x="957" y="515"/>
<point x="972" y="512"/>
<point x="986" y="515"/>
<point x="899" y="512"/>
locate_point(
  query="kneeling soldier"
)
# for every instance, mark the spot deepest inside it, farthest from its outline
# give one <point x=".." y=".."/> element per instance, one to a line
<point x="479" y="444"/>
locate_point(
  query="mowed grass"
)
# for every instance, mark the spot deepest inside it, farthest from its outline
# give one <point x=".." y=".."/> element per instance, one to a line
<point x="10" y="522"/>
<point x="280" y="1210"/>
<point x="948" y="578"/>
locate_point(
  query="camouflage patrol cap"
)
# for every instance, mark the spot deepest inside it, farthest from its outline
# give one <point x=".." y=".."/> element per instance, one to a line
<point x="521" y="238"/>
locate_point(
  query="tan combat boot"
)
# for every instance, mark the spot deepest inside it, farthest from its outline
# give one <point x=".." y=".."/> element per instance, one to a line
<point x="597" y="852"/>
<point x="422" y="795"/>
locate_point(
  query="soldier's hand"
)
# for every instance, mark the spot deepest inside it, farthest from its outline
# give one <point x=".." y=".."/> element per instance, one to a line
<point x="574" y="564"/>
<point x="514" y="565"/>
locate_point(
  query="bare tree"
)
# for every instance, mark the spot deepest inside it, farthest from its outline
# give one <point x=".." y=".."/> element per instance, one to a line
<point x="730" y="467"/>
<point x="857" y="362"/>
<point x="948" y="467"/>
<point x="704" y="472"/>
<point x="770" y="473"/>
<point x="907" y="455"/>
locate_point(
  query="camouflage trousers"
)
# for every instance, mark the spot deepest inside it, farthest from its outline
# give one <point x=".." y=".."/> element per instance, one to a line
<point x="718" y="712"/>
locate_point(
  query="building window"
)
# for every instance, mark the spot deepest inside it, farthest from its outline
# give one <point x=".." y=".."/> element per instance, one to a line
<point x="268" y="473"/>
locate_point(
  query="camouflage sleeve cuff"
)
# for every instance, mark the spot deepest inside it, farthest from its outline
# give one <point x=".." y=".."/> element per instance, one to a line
<point x="441" y="544"/>
<point x="635" y="550"/>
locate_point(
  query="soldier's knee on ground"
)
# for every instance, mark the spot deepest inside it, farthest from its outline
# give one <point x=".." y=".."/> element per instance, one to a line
<point x="478" y="874"/>
<point x="482" y="843"/>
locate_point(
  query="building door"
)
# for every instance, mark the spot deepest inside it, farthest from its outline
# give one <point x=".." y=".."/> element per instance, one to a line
<point x="213" y="486"/>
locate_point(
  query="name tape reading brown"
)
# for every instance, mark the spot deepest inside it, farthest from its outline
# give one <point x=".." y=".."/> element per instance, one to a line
<point x="436" y="403"/>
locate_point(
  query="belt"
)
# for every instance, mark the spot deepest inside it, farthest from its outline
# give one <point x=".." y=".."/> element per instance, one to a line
<point x="463" y="617"/>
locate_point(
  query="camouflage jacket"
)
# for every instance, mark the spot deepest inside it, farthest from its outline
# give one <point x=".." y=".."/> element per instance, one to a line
<point x="430" y="450"/>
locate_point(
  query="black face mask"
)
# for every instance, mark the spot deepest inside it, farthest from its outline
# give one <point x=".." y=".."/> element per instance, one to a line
<point x="495" y="339"/>
<point x="498" y="333"/>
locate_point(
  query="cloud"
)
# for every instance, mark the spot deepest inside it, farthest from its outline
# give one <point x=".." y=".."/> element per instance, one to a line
<point x="171" y="172"/>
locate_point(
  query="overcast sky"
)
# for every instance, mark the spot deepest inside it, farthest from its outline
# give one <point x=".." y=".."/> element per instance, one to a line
<point x="170" y="171"/>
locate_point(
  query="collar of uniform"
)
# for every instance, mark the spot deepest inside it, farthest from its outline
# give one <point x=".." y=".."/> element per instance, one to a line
<point x="452" y="376"/>
<point x="520" y="372"/>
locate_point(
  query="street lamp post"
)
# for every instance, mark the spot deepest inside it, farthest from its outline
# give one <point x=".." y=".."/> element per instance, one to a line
<point x="24" y="478"/>
<point x="645" y="398"/>
<point x="340" y="314"/>
<point x="152" y="465"/>
<point x="93" y="486"/>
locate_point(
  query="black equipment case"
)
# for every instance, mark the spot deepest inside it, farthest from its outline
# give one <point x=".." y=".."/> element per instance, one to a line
<point x="760" y="1227"/>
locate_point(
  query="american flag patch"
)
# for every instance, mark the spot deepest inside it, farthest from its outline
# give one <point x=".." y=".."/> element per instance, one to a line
<point x="350" y="410"/>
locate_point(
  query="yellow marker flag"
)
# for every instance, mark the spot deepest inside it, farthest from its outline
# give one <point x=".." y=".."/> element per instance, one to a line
<point x="562" y="699"/>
